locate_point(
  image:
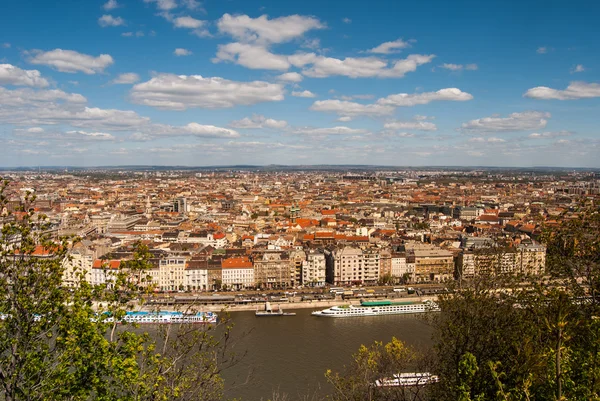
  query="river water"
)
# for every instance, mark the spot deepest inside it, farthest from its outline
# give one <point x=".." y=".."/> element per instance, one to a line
<point x="291" y="354"/>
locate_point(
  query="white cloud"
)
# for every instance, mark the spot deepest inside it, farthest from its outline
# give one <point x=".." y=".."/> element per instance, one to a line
<point x="352" y="97"/>
<point x="54" y="107"/>
<point x="251" y="56"/>
<point x="459" y="67"/>
<point x="575" y="90"/>
<point x="542" y="50"/>
<point x="26" y="97"/>
<point x="341" y="130"/>
<point x="182" y="52"/>
<point x="191" y="4"/>
<point x="11" y="75"/>
<point x="5" y="45"/>
<point x="415" y="125"/>
<point x="188" y="22"/>
<point x="258" y="121"/>
<point x="527" y="120"/>
<point x="312" y="44"/>
<point x="180" y="92"/>
<point x="264" y="30"/>
<point x="578" y="68"/>
<point x="164" y="5"/>
<point x="200" y="130"/>
<point x="452" y="67"/>
<point x="493" y="139"/>
<point x="137" y="34"/>
<point x="351" y="109"/>
<point x="109" y="20"/>
<point x="360" y="67"/>
<point x="110" y="5"/>
<point x="154" y="131"/>
<point x="346" y="20"/>
<point x="94" y="136"/>
<point x="544" y="135"/>
<point x="407" y="100"/>
<point x="71" y="61"/>
<point x="290" y="77"/>
<point x="126" y="78"/>
<point x="93" y="117"/>
<point x="304" y="93"/>
<point x="390" y="47"/>
<point x="419" y="117"/>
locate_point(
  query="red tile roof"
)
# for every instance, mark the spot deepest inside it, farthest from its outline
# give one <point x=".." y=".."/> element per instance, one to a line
<point x="236" y="263"/>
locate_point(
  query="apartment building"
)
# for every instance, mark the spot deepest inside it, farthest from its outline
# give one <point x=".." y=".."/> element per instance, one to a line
<point x="401" y="268"/>
<point x="172" y="273"/>
<point x="313" y="269"/>
<point x="104" y="272"/>
<point x="297" y="259"/>
<point x="273" y="270"/>
<point x="522" y="259"/>
<point x="196" y="275"/>
<point x="77" y="266"/>
<point x="354" y="266"/>
<point x="238" y="273"/>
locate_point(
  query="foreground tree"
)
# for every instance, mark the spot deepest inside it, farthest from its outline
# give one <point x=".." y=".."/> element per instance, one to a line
<point x="376" y="363"/>
<point x="534" y="340"/>
<point x="59" y="343"/>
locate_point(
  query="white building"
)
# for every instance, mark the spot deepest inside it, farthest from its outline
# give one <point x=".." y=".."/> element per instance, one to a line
<point x="353" y="266"/>
<point x="196" y="278"/>
<point x="78" y="266"/>
<point x="104" y="272"/>
<point x="216" y="240"/>
<point x="237" y="273"/>
<point x="313" y="269"/>
<point x="400" y="266"/>
<point x="172" y="273"/>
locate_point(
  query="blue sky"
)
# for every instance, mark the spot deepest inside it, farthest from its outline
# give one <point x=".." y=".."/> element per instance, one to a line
<point x="188" y="82"/>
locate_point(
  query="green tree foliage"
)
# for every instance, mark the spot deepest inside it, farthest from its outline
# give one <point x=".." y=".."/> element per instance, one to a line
<point x="506" y="338"/>
<point x="60" y="343"/>
<point x="376" y="362"/>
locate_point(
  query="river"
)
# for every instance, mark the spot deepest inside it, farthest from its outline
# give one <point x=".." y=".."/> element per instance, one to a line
<point x="291" y="354"/>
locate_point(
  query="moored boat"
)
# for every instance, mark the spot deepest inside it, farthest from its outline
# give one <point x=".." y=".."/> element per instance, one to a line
<point x="378" y="308"/>
<point x="408" y="380"/>
<point x="269" y="311"/>
<point x="166" y="317"/>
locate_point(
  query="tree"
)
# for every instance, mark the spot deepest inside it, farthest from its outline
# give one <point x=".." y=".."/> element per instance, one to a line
<point x="59" y="343"/>
<point x="534" y="339"/>
<point x="386" y="279"/>
<point x="377" y="362"/>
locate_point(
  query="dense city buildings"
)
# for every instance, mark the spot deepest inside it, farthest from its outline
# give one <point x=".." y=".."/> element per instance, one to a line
<point x="236" y="229"/>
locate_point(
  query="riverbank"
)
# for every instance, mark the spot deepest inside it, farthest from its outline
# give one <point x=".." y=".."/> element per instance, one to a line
<point x="314" y="304"/>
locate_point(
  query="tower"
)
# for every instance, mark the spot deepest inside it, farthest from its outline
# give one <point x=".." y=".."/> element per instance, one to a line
<point x="148" y="208"/>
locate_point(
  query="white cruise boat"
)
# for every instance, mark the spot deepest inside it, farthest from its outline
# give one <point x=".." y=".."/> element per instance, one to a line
<point x="166" y="317"/>
<point x="378" y="308"/>
<point x="408" y="380"/>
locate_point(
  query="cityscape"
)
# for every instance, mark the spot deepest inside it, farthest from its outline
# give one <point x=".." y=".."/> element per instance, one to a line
<point x="270" y="200"/>
<point x="239" y="230"/>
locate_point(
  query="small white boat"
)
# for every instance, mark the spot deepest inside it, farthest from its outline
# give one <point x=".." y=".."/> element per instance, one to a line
<point x="166" y="317"/>
<point x="408" y="380"/>
<point x="268" y="311"/>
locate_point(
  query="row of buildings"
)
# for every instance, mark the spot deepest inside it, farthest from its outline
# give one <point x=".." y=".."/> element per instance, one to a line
<point x="207" y="268"/>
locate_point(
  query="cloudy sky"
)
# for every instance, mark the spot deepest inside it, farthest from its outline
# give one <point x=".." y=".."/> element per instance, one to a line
<point x="213" y="82"/>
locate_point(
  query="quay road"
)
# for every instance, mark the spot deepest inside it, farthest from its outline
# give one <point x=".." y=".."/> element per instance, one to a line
<point x="305" y="298"/>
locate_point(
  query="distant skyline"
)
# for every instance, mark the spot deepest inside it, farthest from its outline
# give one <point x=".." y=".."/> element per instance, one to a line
<point x="197" y="83"/>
